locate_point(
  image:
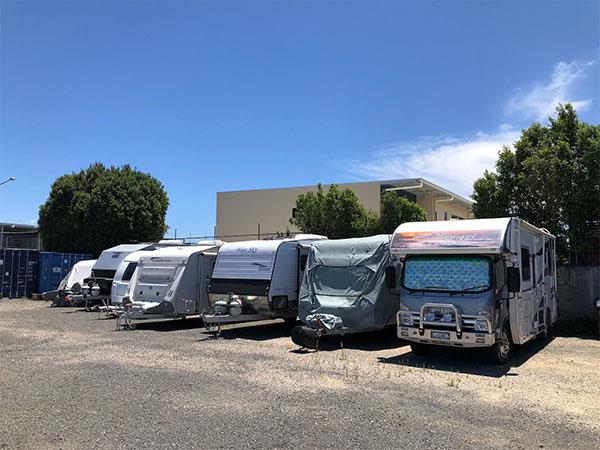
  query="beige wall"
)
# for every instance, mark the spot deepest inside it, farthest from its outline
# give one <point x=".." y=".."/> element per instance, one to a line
<point x="240" y="212"/>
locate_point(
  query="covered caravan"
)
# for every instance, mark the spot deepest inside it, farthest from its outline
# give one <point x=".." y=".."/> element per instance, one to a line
<point x="343" y="289"/>
<point x="71" y="284"/>
<point x="79" y="272"/>
<point x="258" y="280"/>
<point x="173" y="281"/>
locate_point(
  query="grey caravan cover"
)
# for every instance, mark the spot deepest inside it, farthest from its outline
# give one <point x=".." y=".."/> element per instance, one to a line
<point x="345" y="278"/>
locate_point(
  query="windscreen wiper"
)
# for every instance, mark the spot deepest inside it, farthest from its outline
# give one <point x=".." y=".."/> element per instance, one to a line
<point x="426" y="288"/>
<point x="470" y="288"/>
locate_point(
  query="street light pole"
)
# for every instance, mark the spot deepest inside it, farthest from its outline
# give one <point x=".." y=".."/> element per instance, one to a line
<point x="2" y="225"/>
<point x="7" y="180"/>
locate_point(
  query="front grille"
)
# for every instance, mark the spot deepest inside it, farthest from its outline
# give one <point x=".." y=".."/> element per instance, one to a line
<point x="467" y="323"/>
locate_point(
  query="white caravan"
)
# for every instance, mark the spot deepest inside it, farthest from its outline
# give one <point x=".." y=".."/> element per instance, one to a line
<point x="474" y="283"/>
<point x="97" y="288"/>
<point x="258" y="280"/>
<point x="125" y="277"/>
<point x="172" y="281"/>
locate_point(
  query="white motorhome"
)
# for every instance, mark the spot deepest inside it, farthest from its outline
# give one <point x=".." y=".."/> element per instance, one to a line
<point x="474" y="283"/>
<point x="258" y="280"/>
<point x="172" y="281"/>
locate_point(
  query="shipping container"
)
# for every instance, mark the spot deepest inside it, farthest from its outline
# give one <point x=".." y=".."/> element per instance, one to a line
<point x="54" y="266"/>
<point x="19" y="272"/>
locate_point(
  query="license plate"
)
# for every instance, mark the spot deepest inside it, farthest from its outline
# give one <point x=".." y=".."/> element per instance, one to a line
<point x="440" y="335"/>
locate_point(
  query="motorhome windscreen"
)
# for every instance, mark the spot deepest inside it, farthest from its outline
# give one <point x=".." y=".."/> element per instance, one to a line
<point x="447" y="273"/>
<point x="339" y="281"/>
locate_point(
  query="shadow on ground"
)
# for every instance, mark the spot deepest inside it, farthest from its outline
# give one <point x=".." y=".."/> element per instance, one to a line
<point x="369" y="341"/>
<point x="469" y="361"/>
<point x="170" y="324"/>
<point x="255" y="331"/>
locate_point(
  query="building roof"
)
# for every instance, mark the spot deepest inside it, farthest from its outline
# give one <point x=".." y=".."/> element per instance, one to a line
<point x="413" y="185"/>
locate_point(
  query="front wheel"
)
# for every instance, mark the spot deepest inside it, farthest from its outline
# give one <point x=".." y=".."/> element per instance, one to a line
<point x="501" y="351"/>
<point x="420" y="349"/>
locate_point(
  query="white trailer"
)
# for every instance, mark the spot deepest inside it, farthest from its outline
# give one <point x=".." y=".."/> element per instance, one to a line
<point x="258" y="280"/>
<point x="125" y="277"/>
<point x="171" y="282"/>
<point x="474" y="283"/>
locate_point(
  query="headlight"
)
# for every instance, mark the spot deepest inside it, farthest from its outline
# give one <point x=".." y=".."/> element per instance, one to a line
<point x="95" y="290"/>
<point x="85" y="289"/>
<point x="406" y="319"/>
<point x="481" y="325"/>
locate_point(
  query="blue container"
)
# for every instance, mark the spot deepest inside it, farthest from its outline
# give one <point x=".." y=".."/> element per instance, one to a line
<point x="54" y="267"/>
<point x="18" y="272"/>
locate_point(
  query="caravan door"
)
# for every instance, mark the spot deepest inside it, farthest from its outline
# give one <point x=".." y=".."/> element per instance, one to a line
<point x="303" y="252"/>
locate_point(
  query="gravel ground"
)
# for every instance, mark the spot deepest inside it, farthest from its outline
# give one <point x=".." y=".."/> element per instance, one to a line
<point x="69" y="380"/>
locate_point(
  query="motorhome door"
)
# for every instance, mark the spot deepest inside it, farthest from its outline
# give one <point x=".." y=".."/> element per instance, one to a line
<point x="524" y="310"/>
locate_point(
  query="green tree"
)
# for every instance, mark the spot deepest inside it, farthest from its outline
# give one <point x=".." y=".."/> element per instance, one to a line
<point x="552" y="179"/>
<point x="336" y="213"/>
<point x="395" y="210"/>
<point x="100" y="207"/>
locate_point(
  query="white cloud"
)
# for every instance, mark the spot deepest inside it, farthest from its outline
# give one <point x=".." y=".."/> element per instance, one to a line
<point x="455" y="162"/>
<point x="450" y="161"/>
<point x="539" y="100"/>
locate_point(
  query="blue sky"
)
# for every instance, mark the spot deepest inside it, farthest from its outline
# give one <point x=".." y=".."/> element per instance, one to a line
<point x="211" y="96"/>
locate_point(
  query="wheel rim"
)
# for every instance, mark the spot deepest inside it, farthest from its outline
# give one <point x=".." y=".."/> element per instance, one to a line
<point x="504" y="347"/>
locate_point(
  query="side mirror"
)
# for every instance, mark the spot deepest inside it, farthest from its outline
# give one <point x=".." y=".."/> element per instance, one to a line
<point x="513" y="279"/>
<point x="390" y="277"/>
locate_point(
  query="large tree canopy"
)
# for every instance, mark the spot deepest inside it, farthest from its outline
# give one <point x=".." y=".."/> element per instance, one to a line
<point x="337" y="213"/>
<point x="552" y="179"/>
<point x="100" y="207"/>
<point x="396" y="210"/>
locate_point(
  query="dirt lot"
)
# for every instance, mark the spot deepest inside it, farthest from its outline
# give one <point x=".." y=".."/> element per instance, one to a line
<point x="68" y="380"/>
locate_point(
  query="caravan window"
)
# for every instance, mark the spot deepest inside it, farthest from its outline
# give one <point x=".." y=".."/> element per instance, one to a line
<point x="129" y="271"/>
<point x="549" y="270"/>
<point x="525" y="264"/>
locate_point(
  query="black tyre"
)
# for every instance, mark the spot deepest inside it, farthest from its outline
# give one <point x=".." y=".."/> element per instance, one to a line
<point x="304" y="336"/>
<point x="548" y="326"/>
<point x="501" y="351"/>
<point x="290" y="322"/>
<point x="420" y="349"/>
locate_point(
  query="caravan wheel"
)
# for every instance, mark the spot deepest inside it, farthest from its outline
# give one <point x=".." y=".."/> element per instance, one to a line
<point x="501" y="351"/>
<point x="548" y="326"/>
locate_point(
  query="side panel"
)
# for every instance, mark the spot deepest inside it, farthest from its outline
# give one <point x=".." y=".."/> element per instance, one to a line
<point x="184" y="291"/>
